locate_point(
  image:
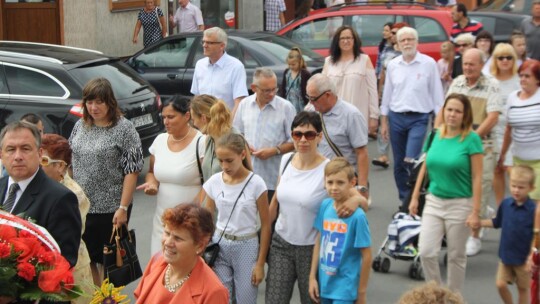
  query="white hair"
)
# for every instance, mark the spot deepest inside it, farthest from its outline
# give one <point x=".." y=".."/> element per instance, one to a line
<point x="218" y="32"/>
<point x="407" y="30"/>
<point x="322" y="83"/>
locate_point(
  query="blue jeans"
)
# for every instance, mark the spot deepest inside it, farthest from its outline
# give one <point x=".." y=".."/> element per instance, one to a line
<point x="407" y="133"/>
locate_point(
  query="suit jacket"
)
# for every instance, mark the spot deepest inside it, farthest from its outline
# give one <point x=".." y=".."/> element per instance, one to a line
<point x="52" y="206"/>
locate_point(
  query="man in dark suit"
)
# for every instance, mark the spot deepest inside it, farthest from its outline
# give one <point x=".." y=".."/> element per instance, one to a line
<point x="28" y="192"/>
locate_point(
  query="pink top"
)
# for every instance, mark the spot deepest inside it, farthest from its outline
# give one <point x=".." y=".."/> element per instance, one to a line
<point x="442" y="65"/>
<point x="203" y="286"/>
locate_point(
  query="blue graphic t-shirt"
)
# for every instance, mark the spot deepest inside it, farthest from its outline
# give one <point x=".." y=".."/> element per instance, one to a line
<point x="339" y="255"/>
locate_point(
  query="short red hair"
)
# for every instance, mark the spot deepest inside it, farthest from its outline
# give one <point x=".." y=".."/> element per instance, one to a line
<point x="57" y="147"/>
<point x="534" y="66"/>
<point x="195" y="219"/>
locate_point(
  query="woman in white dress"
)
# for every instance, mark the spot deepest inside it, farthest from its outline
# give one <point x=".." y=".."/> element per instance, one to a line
<point x="173" y="174"/>
<point x="504" y="67"/>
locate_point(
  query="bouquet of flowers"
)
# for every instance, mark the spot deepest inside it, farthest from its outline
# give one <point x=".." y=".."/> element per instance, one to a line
<point x="108" y="294"/>
<point x="31" y="266"/>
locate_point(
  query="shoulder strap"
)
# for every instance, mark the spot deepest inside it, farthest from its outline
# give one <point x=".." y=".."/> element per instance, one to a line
<point x="288" y="162"/>
<point x="330" y="142"/>
<point x="234" y="206"/>
<point x="199" y="160"/>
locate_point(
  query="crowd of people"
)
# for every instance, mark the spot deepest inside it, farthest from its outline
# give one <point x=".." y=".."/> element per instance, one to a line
<point x="280" y="177"/>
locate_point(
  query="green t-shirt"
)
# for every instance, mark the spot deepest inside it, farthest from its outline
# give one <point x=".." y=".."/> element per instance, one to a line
<point x="449" y="165"/>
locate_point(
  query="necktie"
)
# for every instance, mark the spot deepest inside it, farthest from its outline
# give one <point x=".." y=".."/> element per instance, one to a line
<point x="12" y="194"/>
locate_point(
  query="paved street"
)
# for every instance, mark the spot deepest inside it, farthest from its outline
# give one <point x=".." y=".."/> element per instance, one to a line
<point x="383" y="288"/>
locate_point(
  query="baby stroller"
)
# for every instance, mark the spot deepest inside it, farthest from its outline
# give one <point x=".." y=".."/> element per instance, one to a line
<point x="402" y="239"/>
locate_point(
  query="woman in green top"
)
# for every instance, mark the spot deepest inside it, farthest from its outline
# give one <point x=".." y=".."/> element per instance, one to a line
<point x="454" y="168"/>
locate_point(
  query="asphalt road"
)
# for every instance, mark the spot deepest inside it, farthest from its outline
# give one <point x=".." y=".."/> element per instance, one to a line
<point x="384" y="288"/>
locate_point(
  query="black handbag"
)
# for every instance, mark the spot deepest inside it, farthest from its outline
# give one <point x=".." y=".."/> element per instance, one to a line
<point x="211" y="251"/>
<point x="120" y="260"/>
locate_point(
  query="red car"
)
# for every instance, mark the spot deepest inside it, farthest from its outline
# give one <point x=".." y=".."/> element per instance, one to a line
<point x="316" y="30"/>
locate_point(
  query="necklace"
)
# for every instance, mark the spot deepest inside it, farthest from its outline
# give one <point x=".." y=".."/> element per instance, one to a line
<point x="179" y="140"/>
<point x="174" y="287"/>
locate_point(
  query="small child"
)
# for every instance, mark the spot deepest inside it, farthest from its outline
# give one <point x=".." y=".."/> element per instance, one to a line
<point x="293" y="86"/>
<point x="342" y="253"/>
<point x="516" y="218"/>
<point x="445" y="64"/>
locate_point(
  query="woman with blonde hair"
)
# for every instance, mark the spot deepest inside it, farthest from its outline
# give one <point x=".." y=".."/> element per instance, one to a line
<point x="213" y="118"/>
<point x="504" y="68"/>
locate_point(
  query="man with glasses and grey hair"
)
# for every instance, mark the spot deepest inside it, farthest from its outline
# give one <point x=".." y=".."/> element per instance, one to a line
<point x="265" y="119"/>
<point x="344" y="126"/>
<point x="219" y="74"/>
<point x="412" y="94"/>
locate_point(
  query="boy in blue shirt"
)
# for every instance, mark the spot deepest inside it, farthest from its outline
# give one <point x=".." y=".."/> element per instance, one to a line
<point x="516" y="218"/>
<point x="342" y="254"/>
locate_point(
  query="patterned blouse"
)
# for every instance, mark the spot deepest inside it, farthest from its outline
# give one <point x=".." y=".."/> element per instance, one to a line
<point x="102" y="156"/>
<point x="151" y="26"/>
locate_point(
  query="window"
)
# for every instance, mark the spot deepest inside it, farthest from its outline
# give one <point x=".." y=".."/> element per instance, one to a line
<point x="503" y="27"/>
<point x="26" y="81"/>
<point x="316" y="34"/>
<point x="428" y="29"/>
<point x="3" y="84"/>
<point x="170" y="54"/>
<point x="369" y="27"/>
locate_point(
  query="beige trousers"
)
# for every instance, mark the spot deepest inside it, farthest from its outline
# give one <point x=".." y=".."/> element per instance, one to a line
<point x="445" y="217"/>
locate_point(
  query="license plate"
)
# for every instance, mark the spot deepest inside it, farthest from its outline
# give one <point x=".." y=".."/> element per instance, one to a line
<point x="143" y="120"/>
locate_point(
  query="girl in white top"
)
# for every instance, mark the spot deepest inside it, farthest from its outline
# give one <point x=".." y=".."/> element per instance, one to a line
<point x="240" y="263"/>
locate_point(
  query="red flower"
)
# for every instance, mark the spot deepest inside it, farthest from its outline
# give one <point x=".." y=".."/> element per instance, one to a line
<point x="25" y="234"/>
<point x="7" y="233"/>
<point x="28" y="248"/>
<point x="49" y="280"/>
<point x="26" y="271"/>
<point x="5" y="250"/>
<point x="68" y="281"/>
<point x="46" y="257"/>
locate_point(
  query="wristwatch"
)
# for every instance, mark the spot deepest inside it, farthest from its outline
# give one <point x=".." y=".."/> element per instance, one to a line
<point x="278" y="150"/>
<point x="362" y="189"/>
<point x="123" y="208"/>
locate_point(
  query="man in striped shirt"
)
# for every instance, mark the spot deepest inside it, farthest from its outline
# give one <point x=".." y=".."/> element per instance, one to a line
<point x="462" y="23"/>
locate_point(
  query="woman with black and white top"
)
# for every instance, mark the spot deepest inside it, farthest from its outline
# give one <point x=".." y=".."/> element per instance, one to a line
<point x="523" y="128"/>
<point x="107" y="159"/>
<point x="152" y="20"/>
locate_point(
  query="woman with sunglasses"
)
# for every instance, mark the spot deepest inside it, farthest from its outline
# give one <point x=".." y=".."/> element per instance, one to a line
<point x="173" y="173"/>
<point x="504" y="68"/>
<point x="295" y="77"/>
<point x="353" y="74"/>
<point x="107" y="155"/>
<point x="298" y="195"/>
<point x="55" y="161"/>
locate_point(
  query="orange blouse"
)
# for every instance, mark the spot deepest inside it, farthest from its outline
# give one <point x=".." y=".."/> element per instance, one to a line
<point x="203" y="286"/>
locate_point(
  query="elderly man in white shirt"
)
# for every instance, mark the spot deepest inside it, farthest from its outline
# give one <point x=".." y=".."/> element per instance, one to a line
<point x="412" y="93"/>
<point x="188" y="17"/>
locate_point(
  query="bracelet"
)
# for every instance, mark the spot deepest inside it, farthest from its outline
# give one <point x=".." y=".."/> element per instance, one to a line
<point x="278" y="150"/>
<point x="123" y="208"/>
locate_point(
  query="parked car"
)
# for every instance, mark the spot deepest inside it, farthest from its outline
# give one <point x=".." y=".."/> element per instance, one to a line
<point x="316" y="30"/>
<point x="48" y="80"/>
<point x="499" y="24"/>
<point x="169" y="64"/>
<point x="523" y="7"/>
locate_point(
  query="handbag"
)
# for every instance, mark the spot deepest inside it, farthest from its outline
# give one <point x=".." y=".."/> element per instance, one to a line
<point x="211" y="251"/>
<point x="120" y="260"/>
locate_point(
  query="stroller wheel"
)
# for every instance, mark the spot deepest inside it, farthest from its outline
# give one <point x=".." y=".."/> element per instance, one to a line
<point x="415" y="271"/>
<point x="385" y="265"/>
<point x="376" y="265"/>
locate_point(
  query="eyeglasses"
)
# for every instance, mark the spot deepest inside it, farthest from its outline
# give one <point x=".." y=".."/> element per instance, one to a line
<point x="309" y="135"/>
<point x="314" y="99"/>
<point x="501" y="58"/>
<point x="462" y="45"/>
<point x="210" y="42"/>
<point x="267" y="91"/>
<point x="45" y="161"/>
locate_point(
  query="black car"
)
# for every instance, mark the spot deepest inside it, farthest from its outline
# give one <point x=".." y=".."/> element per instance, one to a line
<point x="499" y="24"/>
<point x="514" y="6"/>
<point x="48" y="80"/>
<point x="169" y="64"/>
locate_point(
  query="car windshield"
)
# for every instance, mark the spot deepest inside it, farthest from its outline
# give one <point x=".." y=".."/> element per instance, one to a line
<point x="123" y="80"/>
<point x="280" y="47"/>
<point x="517" y="6"/>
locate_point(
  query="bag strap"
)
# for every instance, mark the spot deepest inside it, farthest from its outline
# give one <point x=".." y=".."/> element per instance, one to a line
<point x="288" y="162"/>
<point x="235" y="202"/>
<point x="430" y="141"/>
<point x="297" y="78"/>
<point x="199" y="161"/>
<point x="158" y="21"/>
<point x="330" y="142"/>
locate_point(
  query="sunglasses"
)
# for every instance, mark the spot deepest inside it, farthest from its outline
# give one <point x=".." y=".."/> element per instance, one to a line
<point x="309" y="135"/>
<point x="501" y="58"/>
<point x="45" y="161"/>
<point x="313" y="99"/>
